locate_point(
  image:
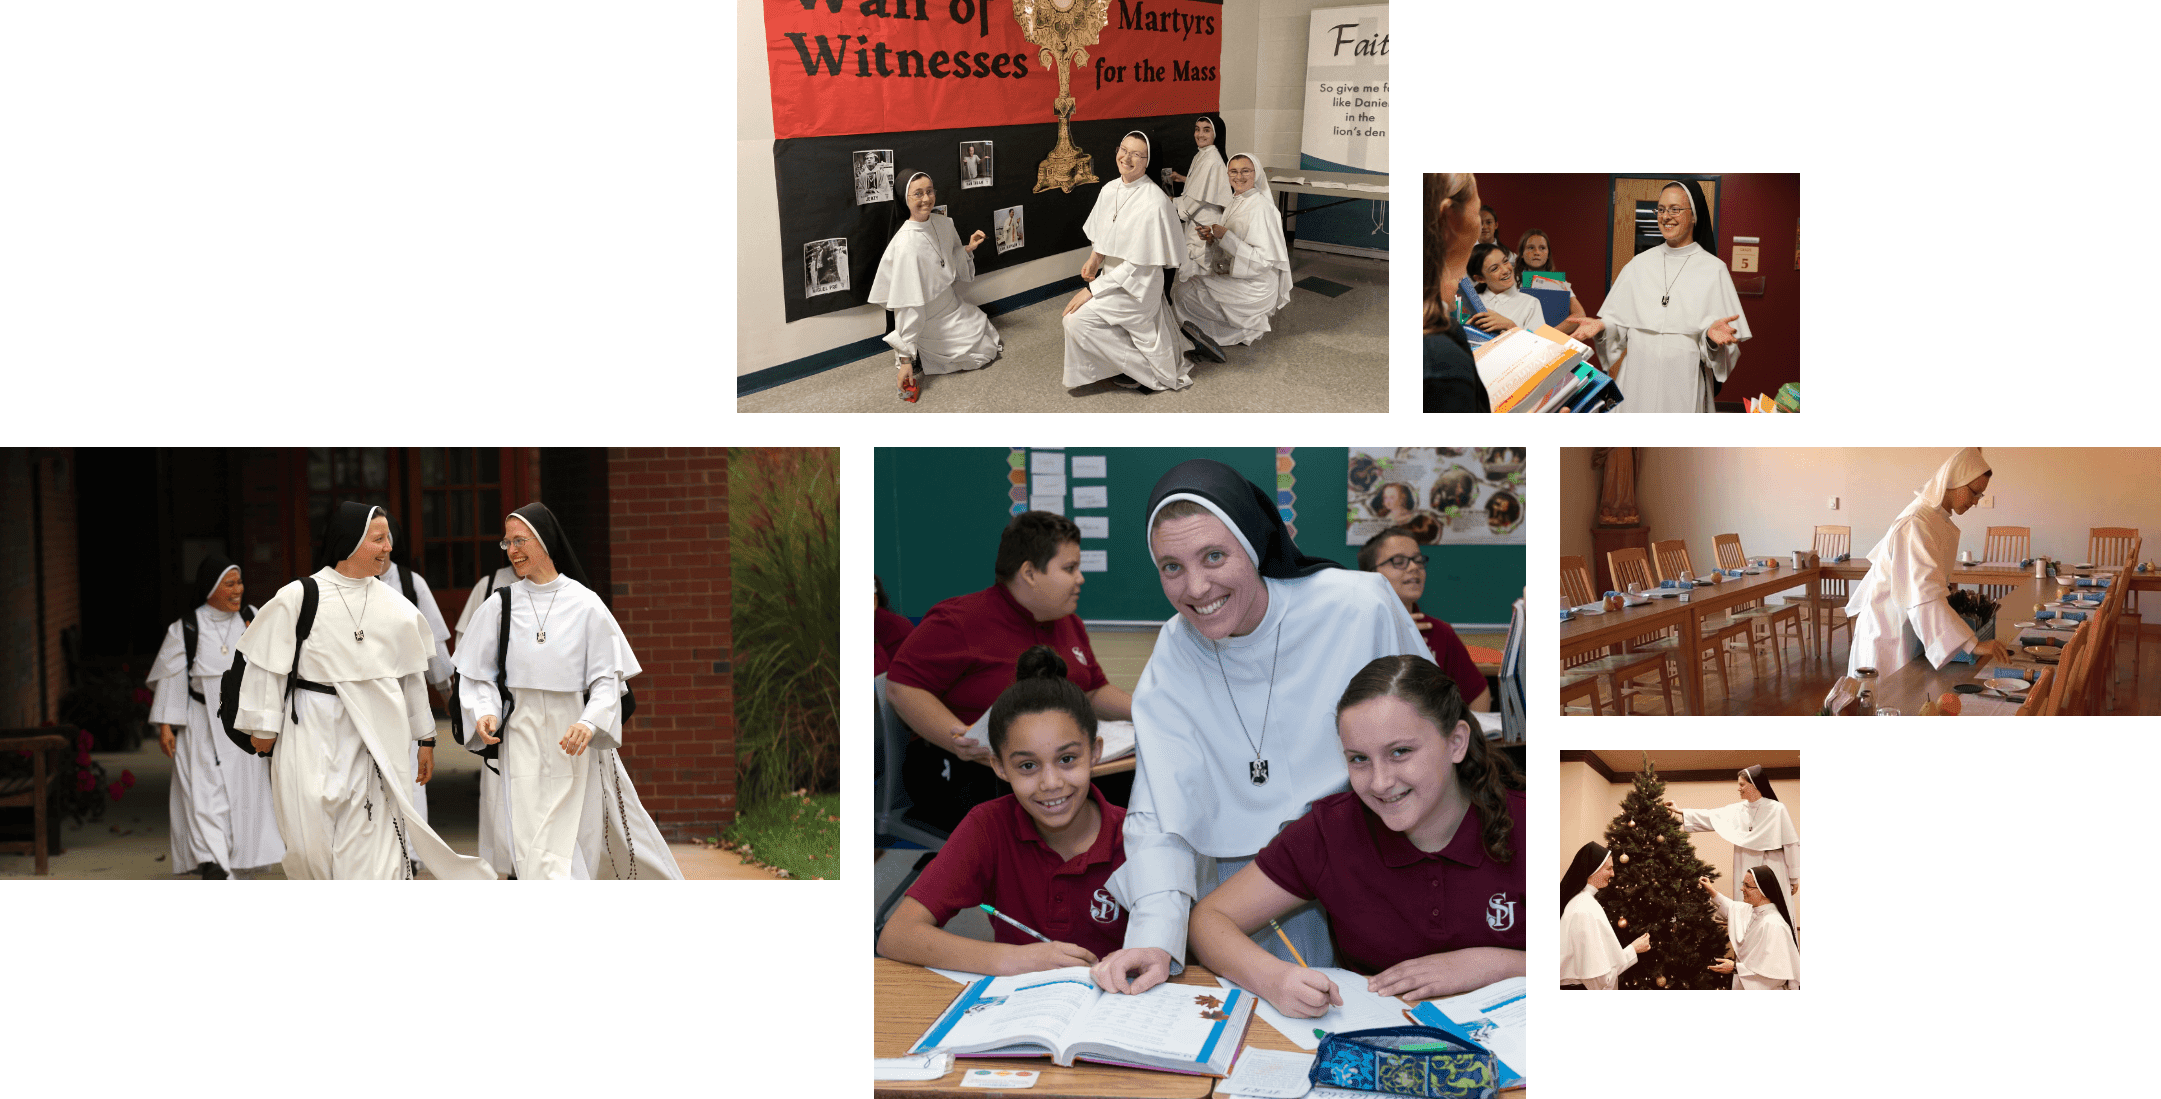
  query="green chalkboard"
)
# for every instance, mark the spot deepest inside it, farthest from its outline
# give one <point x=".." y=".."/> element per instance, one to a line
<point x="939" y="512"/>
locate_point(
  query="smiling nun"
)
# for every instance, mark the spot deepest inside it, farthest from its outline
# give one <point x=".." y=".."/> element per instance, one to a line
<point x="343" y="727"/>
<point x="1673" y="313"/>
<point x="1592" y="956"/>
<point x="1121" y="325"/>
<point x="1902" y="608"/>
<point x="1766" y="951"/>
<point x="568" y="809"/>
<point x="1235" y="712"/>
<point x="921" y="277"/>
<point x="1760" y="829"/>
<point x="1232" y="304"/>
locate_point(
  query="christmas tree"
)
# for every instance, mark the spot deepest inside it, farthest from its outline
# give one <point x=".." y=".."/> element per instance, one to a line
<point x="1654" y="891"/>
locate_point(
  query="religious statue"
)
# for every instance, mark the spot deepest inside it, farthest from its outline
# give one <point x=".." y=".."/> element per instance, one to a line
<point x="1616" y="486"/>
<point x="1064" y="29"/>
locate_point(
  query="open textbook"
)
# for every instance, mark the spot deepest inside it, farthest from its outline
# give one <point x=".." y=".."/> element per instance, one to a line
<point x="1492" y="1016"/>
<point x="1117" y="736"/>
<point x="1060" y="1014"/>
<point x="1542" y="371"/>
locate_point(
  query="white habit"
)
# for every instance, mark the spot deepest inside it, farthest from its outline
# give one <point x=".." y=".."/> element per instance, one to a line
<point x="1233" y="307"/>
<point x="1762" y="834"/>
<point x="494" y="839"/>
<point x="1903" y="604"/>
<point x="482" y="588"/>
<point x="1208" y="184"/>
<point x="220" y="801"/>
<point x="1591" y="954"/>
<point x="565" y="816"/>
<point x="1128" y="326"/>
<point x="920" y="278"/>
<point x="439" y="667"/>
<point x="339" y="786"/>
<point x="1659" y="312"/>
<point x="1192" y="794"/>
<point x="1766" y="956"/>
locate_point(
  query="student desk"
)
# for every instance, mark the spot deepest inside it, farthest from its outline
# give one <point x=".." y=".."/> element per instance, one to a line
<point x="1587" y="632"/>
<point x="910" y="997"/>
<point x="1117" y="766"/>
<point x="1351" y="187"/>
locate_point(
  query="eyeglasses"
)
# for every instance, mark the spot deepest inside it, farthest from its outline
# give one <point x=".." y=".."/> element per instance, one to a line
<point x="1406" y="561"/>
<point x="1676" y="211"/>
<point x="514" y="544"/>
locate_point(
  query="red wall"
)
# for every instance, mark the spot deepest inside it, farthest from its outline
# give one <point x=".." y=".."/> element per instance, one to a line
<point x="1574" y="212"/>
<point x="668" y="526"/>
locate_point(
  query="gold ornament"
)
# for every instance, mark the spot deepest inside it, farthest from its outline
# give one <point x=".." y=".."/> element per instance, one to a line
<point x="1064" y="29"/>
<point x="1660" y="839"/>
<point x="1661" y="982"/>
<point x="1624" y="858"/>
<point x="1623" y="925"/>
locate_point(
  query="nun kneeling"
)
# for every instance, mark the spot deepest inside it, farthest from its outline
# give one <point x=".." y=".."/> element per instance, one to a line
<point x="1231" y="298"/>
<point x="1591" y="954"/>
<point x="920" y="278"/>
<point x="564" y="813"/>
<point x="1766" y="955"/>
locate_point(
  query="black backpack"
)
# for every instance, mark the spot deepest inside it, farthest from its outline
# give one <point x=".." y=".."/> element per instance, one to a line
<point x="189" y="632"/>
<point x="229" y="702"/>
<point x="629" y="701"/>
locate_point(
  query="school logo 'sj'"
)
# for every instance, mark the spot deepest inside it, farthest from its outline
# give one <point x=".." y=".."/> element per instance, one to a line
<point x="1080" y="656"/>
<point x="1500" y="912"/>
<point x="1103" y="907"/>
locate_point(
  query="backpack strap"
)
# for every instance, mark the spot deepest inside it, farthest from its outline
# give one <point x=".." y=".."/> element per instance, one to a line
<point x="188" y="639"/>
<point x="405" y="580"/>
<point x="310" y="599"/>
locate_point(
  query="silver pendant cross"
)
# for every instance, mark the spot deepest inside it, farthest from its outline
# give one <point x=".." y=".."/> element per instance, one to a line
<point x="360" y="635"/>
<point x="541" y="637"/>
<point x="1258" y="770"/>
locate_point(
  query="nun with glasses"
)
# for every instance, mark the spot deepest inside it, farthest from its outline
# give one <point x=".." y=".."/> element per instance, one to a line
<point x="1766" y="950"/>
<point x="1592" y="956"/>
<point x="921" y="277"/>
<point x="1245" y="278"/>
<point x="1121" y="325"/>
<point x="1758" y="826"/>
<point x="1902" y="609"/>
<point x="338" y="712"/>
<point x="567" y="808"/>
<point x="1671" y="328"/>
<point x="1235" y="712"/>
<point x="222" y="818"/>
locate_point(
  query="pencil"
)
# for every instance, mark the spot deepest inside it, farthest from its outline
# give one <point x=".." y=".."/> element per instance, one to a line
<point x="1287" y="943"/>
<point x="1014" y="922"/>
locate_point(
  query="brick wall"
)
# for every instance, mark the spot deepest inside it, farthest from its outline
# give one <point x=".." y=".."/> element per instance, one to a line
<point x="668" y="534"/>
<point x="37" y="495"/>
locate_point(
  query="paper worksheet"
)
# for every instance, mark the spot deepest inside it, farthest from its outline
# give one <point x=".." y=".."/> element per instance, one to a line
<point x="1095" y="561"/>
<point x="1046" y="462"/>
<point x="1047" y="484"/>
<point x="920" y="1066"/>
<point x="956" y="975"/>
<point x="1091" y="496"/>
<point x="1055" y="504"/>
<point x="1495" y="1016"/>
<point x="1089" y="465"/>
<point x="1092" y="526"/>
<point x="1361" y="1010"/>
<point x="1269" y="1074"/>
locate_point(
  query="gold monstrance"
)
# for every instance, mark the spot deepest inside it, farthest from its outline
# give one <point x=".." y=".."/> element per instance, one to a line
<point x="1065" y="29"/>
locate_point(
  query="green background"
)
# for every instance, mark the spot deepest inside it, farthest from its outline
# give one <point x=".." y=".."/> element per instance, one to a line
<point x="398" y="223"/>
<point x="940" y="510"/>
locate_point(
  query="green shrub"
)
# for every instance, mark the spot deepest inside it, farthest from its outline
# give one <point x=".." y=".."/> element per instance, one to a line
<point x="784" y="564"/>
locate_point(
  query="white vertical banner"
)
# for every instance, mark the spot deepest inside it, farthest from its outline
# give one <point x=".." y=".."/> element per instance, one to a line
<point x="1346" y="119"/>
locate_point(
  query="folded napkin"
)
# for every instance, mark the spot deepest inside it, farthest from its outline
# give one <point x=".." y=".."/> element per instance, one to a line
<point x="2093" y="581"/>
<point x="2008" y="673"/>
<point x="2040" y="640"/>
<point x="1567" y="614"/>
<point x="1964" y="658"/>
<point x="1731" y="574"/>
<point x="1842" y="558"/>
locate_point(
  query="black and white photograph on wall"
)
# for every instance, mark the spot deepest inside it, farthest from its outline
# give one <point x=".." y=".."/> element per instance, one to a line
<point x="873" y="177"/>
<point x="975" y="165"/>
<point x="825" y="266"/>
<point x="1010" y="234"/>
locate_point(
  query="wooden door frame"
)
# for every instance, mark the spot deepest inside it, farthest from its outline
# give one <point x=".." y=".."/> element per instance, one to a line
<point x="1613" y="195"/>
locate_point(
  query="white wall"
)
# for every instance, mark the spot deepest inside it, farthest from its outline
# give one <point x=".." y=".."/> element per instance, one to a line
<point x="1589" y="803"/>
<point x="1263" y="103"/>
<point x="1774" y="497"/>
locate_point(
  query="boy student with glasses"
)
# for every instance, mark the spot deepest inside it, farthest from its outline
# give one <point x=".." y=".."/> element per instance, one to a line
<point x="1395" y="554"/>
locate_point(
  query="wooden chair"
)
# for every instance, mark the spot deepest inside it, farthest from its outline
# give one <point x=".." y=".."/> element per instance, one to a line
<point x="2005" y="544"/>
<point x="2112" y="545"/>
<point x="1631" y="565"/>
<point x="1730" y="556"/>
<point x="2128" y="617"/>
<point x="2037" y="699"/>
<point x="30" y="792"/>
<point x="2069" y="698"/>
<point x="1830" y="541"/>
<point x="1673" y="562"/>
<point x="2110" y="622"/>
<point x="1619" y="669"/>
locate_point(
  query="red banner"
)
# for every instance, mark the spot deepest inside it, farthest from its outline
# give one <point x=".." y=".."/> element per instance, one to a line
<point x="887" y="66"/>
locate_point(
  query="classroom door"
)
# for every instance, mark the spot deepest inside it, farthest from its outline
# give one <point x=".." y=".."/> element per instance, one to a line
<point x="1632" y="198"/>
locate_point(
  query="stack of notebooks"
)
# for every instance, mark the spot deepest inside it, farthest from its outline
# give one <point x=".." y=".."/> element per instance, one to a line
<point x="1543" y="371"/>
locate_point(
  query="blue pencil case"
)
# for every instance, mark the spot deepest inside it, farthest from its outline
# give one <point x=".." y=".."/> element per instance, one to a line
<point x="1377" y="1061"/>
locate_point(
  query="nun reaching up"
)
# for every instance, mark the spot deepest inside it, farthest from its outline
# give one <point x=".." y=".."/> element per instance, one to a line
<point x="1902" y="608"/>
<point x="1592" y="956"/>
<point x="567" y="807"/>
<point x="921" y="278"/>
<point x="1758" y="826"/>
<point x="1766" y="952"/>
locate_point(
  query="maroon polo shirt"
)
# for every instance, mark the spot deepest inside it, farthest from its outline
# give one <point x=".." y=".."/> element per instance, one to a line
<point x="997" y="857"/>
<point x="1389" y="902"/>
<point x="1455" y="659"/>
<point x="965" y="650"/>
<point x="892" y="629"/>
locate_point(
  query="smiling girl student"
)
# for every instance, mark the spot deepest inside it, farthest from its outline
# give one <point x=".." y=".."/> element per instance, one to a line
<point x="1419" y="863"/>
<point x="1040" y="855"/>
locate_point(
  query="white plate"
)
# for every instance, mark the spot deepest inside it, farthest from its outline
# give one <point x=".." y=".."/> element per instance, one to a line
<point x="2008" y="686"/>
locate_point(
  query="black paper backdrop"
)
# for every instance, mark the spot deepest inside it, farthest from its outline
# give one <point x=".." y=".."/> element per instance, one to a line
<point x="816" y="184"/>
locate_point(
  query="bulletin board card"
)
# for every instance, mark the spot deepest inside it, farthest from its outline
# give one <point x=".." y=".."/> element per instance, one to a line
<point x="939" y="512"/>
<point x="1450" y="495"/>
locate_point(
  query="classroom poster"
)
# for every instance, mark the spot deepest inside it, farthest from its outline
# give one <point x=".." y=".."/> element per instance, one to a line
<point x="1346" y="116"/>
<point x="1463" y="495"/>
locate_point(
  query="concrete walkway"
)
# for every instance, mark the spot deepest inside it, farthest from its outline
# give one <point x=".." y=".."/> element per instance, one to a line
<point x="132" y="842"/>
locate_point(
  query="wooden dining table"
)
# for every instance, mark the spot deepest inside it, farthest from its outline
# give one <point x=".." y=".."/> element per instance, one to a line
<point x="1589" y="632"/>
